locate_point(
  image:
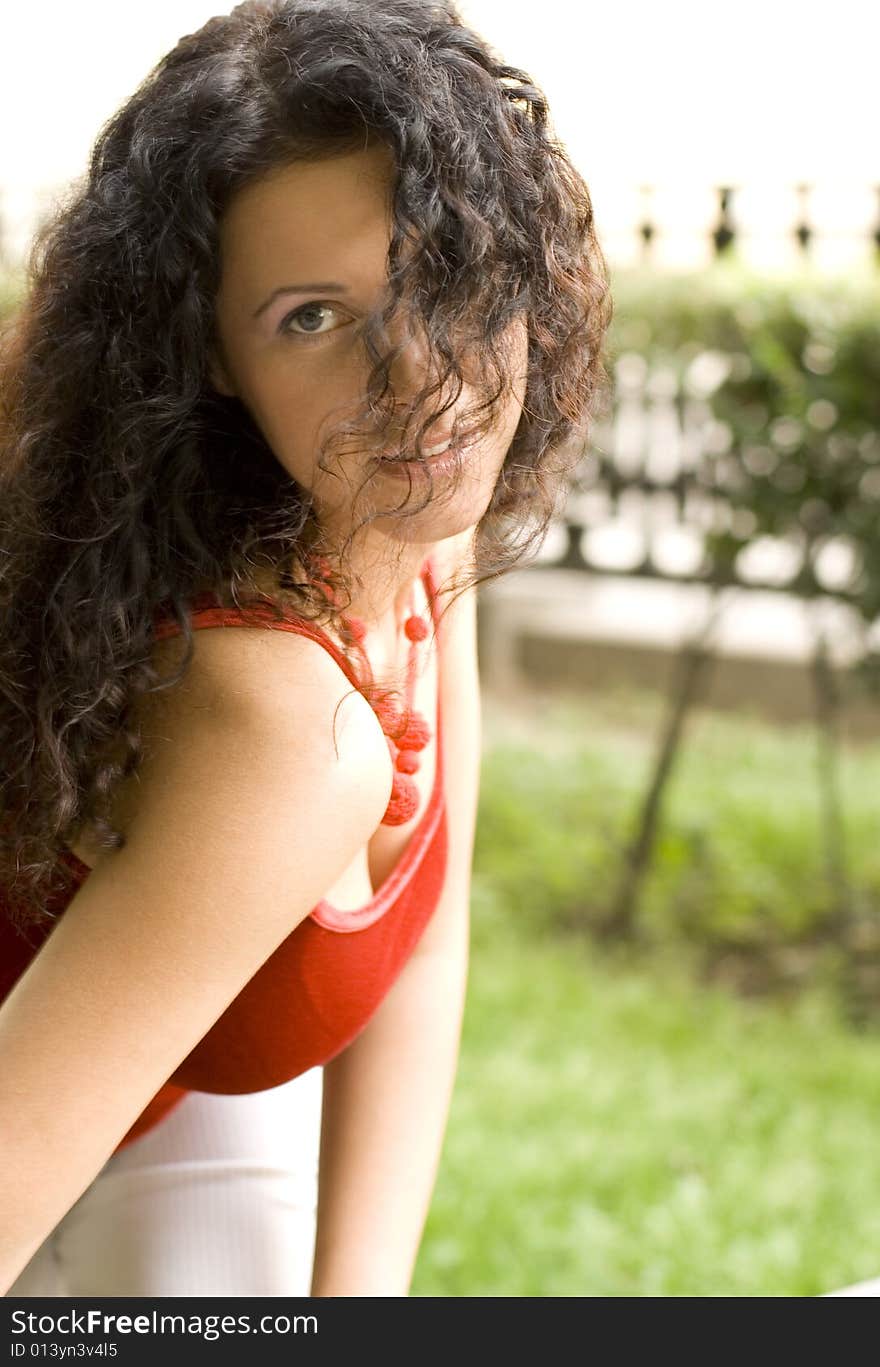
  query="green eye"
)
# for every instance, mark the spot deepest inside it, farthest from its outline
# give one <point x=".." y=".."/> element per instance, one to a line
<point x="308" y="311"/>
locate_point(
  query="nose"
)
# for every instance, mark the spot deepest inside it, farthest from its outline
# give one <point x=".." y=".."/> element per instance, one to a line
<point x="411" y="370"/>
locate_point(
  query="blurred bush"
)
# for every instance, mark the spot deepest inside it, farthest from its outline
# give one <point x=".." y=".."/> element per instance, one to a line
<point x="790" y="368"/>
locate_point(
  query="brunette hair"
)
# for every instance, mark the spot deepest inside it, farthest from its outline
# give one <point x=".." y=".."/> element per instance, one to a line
<point x="127" y="483"/>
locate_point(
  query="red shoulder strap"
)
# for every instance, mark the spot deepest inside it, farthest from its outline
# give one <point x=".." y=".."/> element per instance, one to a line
<point x="216" y="615"/>
<point x="207" y="612"/>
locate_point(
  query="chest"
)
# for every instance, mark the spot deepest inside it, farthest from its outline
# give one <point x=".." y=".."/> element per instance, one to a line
<point x="376" y="862"/>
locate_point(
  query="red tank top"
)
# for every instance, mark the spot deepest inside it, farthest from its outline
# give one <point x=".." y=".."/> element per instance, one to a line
<point x="319" y="988"/>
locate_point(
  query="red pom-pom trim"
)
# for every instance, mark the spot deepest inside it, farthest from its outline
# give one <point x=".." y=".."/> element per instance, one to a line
<point x="416" y="735"/>
<point x="403" y="803"/>
<point x="416" y="628"/>
<point x="407" y="762"/>
<point x="390" y="717"/>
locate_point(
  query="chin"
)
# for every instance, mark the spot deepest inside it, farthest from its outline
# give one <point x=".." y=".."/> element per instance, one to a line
<point x="441" y="518"/>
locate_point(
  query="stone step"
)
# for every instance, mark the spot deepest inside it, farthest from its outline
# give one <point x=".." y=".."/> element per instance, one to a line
<point x="571" y="629"/>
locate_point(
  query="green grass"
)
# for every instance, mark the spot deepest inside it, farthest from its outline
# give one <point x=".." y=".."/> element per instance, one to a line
<point x="618" y="1129"/>
<point x="740" y="854"/>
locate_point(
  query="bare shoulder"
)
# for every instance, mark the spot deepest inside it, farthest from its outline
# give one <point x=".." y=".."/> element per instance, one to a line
<point x="271" y="698"/>
<point x="260" y="711"/>
<point x="266" y="676"/>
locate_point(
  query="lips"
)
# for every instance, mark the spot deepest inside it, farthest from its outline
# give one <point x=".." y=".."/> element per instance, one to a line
<point x="436" y="448"/>
<point x="442" y="462"/>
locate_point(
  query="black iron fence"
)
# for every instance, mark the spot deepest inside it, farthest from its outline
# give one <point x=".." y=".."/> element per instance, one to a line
<point x="730" y="230"/>
<point x="742" y="451"/>
<point x="802" y="221"/>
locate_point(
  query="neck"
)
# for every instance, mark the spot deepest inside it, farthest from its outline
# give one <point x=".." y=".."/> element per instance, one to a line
<point x="381" y="599"/>
<point x="381" y="591"/>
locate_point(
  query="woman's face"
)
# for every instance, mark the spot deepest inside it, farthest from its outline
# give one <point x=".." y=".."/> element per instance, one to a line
<point x="303" y="259"/>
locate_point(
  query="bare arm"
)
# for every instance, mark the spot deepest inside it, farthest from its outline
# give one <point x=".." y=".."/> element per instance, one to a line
<point x="386" y="1097"/>
<point x="246" y="815"/>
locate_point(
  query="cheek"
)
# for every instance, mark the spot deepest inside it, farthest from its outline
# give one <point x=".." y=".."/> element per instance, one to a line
<point x="279" y="396"/>
<point x="520" y="350"/>
<point x="296" y="412"/>
<point x="281" y="410"/>
<point x="311" y="385"/>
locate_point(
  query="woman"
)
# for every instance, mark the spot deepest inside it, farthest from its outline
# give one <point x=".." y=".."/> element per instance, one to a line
<point x="319" y="244"/>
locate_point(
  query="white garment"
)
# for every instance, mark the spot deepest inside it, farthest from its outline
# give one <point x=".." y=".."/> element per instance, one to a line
<point x="218" y="1199"/>
<point x="868" y="1288"/>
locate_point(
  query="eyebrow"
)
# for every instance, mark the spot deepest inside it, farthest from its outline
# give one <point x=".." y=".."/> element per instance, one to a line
<point x="315" y="286"/>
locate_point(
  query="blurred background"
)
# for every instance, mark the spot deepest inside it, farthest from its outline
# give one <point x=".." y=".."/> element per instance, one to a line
<point x="669" y="1080"/>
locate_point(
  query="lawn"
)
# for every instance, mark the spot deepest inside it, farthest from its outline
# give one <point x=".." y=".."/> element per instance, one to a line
<point x="619" y="1128"/>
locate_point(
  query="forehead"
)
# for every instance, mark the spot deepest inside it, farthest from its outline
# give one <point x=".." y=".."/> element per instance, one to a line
<point x="307" y="215"/>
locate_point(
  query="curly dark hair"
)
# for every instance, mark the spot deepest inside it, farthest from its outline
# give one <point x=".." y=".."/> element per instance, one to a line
<point x="127" y="483"/>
